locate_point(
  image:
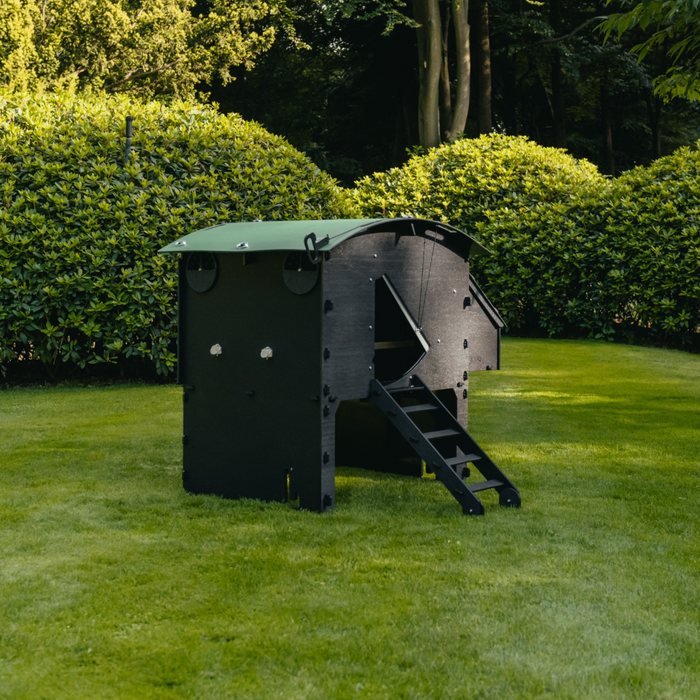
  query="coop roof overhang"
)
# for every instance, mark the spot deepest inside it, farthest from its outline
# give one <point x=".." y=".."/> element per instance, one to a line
<point x="260" y="236"/>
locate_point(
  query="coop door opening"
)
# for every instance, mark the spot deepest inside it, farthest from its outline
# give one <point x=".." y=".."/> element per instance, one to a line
<point x="399" y="344"/>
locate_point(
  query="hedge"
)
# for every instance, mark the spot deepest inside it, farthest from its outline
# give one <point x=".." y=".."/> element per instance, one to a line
<point x="576" y="254"/>
<point x="80" y="281"/>
<point x="654" y="226"/>
<point x="471" y="180"/>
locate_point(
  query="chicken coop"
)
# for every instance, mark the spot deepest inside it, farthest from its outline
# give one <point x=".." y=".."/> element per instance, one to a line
<point x="306" y="344"/>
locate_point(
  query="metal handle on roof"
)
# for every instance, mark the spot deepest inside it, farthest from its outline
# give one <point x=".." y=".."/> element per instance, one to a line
<point x="313" y="254"/>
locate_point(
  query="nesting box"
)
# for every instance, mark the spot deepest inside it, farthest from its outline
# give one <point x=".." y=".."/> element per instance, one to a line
<point x="304" y="344"/>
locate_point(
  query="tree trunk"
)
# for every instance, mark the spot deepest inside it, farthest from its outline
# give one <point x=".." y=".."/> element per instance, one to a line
<point x="445" y="92"/>
<point x="608" y="153"/>
<point x="484" y="82"/>
<point x="427" y="14"/>
<point x="654" y="112"/>
<point x="460" y="17"/>
<point x="558" y="109"/>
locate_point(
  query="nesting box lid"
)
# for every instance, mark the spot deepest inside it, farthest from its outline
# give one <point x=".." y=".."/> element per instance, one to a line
<point x="255" y="236"/>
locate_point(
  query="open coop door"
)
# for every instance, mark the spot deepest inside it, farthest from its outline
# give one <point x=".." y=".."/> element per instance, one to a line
<point x="399" y="343"/>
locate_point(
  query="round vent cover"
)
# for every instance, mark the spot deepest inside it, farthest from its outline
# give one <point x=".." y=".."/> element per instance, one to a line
<point x="201" y="271"/>
<point x="300" y="274"/>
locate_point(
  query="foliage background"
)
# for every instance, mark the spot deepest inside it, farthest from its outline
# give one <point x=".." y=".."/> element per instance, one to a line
<point x="360" y="116"/>
<point x="117" y="584"/>
<point x="575" y="254"/>
<point x="80" y="280"/>
<point x="147" y="47"/>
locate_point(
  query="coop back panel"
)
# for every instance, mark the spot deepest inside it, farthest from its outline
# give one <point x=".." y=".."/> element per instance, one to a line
<point x="249" y="422"/>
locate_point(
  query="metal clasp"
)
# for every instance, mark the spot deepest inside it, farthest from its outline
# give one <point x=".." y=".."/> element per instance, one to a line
<point x="317" y="244"/>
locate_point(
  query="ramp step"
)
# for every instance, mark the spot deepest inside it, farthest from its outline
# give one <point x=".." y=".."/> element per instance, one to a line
<point x="462" y="459"/>
<point x="484" y="485"/>
<point x="451" y="471"/>
<point x="401" y="389"/>
<point x="434" y="434"/>
<point x="420" y="407"/>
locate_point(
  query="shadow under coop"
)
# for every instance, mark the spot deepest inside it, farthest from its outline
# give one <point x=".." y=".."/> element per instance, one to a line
<point x="306" y="344"/>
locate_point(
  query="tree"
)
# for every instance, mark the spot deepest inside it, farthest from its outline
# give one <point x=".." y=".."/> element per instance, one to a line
<point x="17" y="50"/>
<point x="555" y="82"/>
<point x="676" y="30"/>
<point x="483" y="51"/>
<point x="350" y="101"/>
<point x="433" y="71"/>
<point x="442" y="107"/>
<point x="140" y="46"/>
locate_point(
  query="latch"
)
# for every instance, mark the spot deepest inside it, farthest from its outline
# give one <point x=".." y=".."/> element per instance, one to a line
<point x="316" y="244"/>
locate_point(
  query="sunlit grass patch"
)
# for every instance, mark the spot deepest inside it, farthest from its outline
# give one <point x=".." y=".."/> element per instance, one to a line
<point x="115" y="583"/>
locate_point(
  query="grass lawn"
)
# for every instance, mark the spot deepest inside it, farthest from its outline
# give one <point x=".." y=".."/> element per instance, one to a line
<point x="114" y="583"/>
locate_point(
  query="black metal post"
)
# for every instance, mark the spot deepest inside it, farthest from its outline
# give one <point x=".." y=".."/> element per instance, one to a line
<point x="127" y="149"/>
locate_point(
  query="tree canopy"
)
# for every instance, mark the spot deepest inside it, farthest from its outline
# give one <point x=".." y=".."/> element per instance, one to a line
<point x="675" y="27"/>
<point x="359" y="84"/>
<point x="140" y="46"/>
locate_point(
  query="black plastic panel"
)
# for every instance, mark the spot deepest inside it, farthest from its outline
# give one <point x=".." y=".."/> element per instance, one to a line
<point x="250" y="420"/>
<point x="485" y="325"/>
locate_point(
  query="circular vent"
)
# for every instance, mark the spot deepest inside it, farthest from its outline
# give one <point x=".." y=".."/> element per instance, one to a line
<point x="201" y="271"/>
<point x="300" y="274"/>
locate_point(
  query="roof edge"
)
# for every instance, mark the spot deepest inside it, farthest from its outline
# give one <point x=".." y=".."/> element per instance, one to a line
<point x="267" y="236"/>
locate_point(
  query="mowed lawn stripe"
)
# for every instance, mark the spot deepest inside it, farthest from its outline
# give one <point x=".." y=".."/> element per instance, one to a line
<point x="115" y="583"/>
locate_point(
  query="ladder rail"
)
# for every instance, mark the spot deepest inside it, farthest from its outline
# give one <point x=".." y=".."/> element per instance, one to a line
<point x="443" y="472"/>
<point x="444" y="468"/>
<point x="468" y="444"/>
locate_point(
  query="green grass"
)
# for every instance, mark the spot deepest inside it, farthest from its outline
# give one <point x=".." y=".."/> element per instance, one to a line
<point x="114" y="583"/>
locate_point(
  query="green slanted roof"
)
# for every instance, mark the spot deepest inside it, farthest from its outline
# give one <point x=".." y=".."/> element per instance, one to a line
<point x="267" y="235"/>
<point x="256" y="236"/>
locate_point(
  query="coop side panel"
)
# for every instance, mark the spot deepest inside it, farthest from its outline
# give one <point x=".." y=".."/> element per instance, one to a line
<point x="433" y="283"/>
<point x="348" y="316"/>
<point x="250" y="422"/>
<point x="485" y="324"/>
<point x="347" y="346"/>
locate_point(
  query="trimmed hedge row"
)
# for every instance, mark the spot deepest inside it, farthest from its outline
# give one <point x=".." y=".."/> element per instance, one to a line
<point x="81" y="284"/>
<point x="80" y="280"/>
<point x="654" y="224"/>
<point x="576" y="254"/>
